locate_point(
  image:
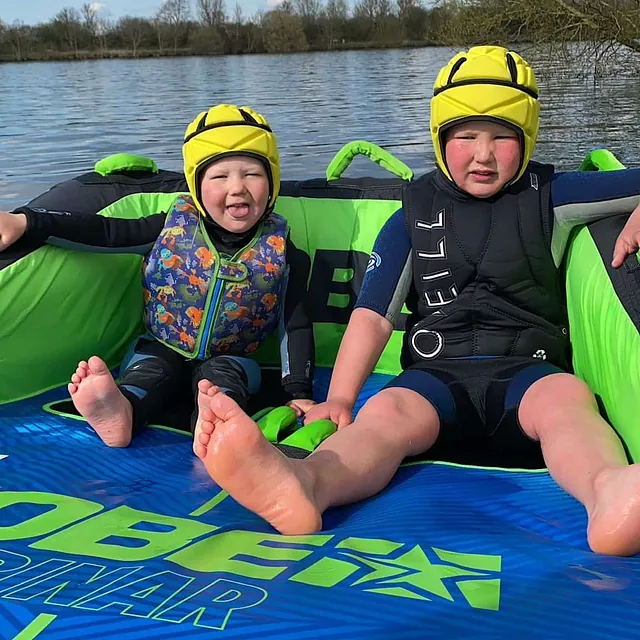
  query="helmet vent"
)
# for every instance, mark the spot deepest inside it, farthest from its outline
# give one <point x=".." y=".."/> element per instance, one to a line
<point x="455" y="68"/>
<point x="513" y="69"/>
<point x="247" y="117"/>
<point x="202" y="123"/>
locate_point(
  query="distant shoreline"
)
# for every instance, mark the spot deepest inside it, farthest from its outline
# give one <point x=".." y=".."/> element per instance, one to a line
<point x="128" y="54"/>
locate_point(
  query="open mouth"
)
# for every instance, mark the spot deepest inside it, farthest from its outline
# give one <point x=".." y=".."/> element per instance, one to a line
<point x="238" y="210"/>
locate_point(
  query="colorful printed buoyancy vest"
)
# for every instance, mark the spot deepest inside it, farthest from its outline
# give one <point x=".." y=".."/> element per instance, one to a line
<point x="203" y="305"/>
<point x="499" y="296"/>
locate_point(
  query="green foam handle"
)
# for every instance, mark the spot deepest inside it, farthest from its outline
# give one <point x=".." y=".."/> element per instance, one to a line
<point x="380" y="156"/>
<point x="124" y="162"/>
<point x="311" y="435"/>
<point x="275" y="422"/>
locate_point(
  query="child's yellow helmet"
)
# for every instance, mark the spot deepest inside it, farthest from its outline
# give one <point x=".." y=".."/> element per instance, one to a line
<point x="227" y="130"/>
<point x="489" y="83"/>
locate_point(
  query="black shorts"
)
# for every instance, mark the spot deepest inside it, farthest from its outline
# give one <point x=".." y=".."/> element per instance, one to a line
<point x="477" y="400"/>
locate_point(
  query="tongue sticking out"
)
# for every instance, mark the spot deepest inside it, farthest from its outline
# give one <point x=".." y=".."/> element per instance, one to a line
<point x="238" y="210"/>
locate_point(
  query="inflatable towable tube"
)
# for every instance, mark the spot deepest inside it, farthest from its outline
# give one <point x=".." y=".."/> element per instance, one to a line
<point x="139" y="543"/>
<point x="51" y="292"/>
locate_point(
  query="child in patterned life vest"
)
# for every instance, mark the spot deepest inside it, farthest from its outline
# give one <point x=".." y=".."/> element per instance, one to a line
<point x="475" y="252"/>
<point x="220" y="273"/>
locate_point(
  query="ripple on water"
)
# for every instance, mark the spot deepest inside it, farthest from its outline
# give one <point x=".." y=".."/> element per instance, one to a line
<point x="68" y="115"/>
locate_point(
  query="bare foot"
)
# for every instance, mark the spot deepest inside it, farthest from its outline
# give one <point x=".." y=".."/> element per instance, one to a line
<point x="614" y="521"/>
<point x="96" y="396"/>
<point x="206" y="391"/>
<point x="242" y="462"/>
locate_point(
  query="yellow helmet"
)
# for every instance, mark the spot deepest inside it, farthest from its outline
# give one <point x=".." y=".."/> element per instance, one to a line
<point x="489" y="83"/>
<point x="227" y="130"/>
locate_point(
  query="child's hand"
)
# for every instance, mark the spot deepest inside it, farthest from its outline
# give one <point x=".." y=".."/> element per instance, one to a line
<point x="12" y="228"/>
<point x="629" y="239"/>
<point x="301" y="406"/>
<point x="335" y="410"/>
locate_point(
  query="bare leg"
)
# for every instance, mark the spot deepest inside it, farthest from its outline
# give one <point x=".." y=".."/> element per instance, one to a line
<point x="360" y="460"/>
<point x="97" y="398"/>
<point x="355" y="463"/>
<point x="586" y="458"/>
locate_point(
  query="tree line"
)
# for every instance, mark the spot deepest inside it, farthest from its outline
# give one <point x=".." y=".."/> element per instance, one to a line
<point x="208" y="27"/>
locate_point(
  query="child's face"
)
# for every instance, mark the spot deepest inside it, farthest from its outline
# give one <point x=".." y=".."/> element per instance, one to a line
<point x="235" y="192"/>
<point x="482" y="157"/>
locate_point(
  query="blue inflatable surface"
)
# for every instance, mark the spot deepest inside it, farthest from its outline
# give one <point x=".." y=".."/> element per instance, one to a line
<point x="138" y="543"/>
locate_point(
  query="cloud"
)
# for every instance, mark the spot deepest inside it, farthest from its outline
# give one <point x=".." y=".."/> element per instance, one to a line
<point x="272" y="4"/>
<point x="97" y="6"/>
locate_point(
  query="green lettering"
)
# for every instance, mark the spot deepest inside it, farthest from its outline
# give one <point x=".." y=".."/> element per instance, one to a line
<point x="32" y="573"/>
<point x="65" y="510"/>
<point x="374" y="546"/>
<point x="327" y="572"/>
<point x="89" y="538"/>
<point x="71" y="584"/>
<point x="211" y="607"/>
<point x="10" y="562"/>
<point x="216" y="554"/>
<point x="139" y="598"/>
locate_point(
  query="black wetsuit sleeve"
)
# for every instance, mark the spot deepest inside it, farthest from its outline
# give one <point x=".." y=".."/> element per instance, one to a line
<point x="297" y="350"/>
<point x="93" y="233"/>
<point x="581" y="197"/>
<point x="389" y="274"/>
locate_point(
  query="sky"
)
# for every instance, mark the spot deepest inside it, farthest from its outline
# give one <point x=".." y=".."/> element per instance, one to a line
<point x="34" y="11"/>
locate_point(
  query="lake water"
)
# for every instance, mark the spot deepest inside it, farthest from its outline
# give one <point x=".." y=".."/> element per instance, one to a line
<point x="58" y="119"/>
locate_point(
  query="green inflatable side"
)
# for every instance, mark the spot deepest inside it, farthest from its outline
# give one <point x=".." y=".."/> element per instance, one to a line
<point x="605" y="341"/>
<point x="60" y="306"/>
<point x="336" y="225"/>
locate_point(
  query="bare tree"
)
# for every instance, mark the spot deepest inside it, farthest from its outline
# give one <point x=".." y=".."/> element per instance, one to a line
<point x="210" y="37"/>
<point x="310" y="12"/>
<point x="132" y="29"/>
<point x="615" y="21"/>
<point x="175" y="14"/>
<point x="336" y="14"/>
<point x="308" y="9"/>
<point x="212" y="13"/>
<point x="373" y="11"/>
<point x="160" y="28"/>
<point x="412" y="18"/>
<point x="238" y="19"/>
<point x="238" y="16"/>
<point x="254" y="34"/>
<point x="103" y="27"/>
<point x="587" y="31"/>
<point x="337" y="10"/>
<point x="89" y="14"/>
<point x="19" y="37"/>
<point x="69" y="21"/>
